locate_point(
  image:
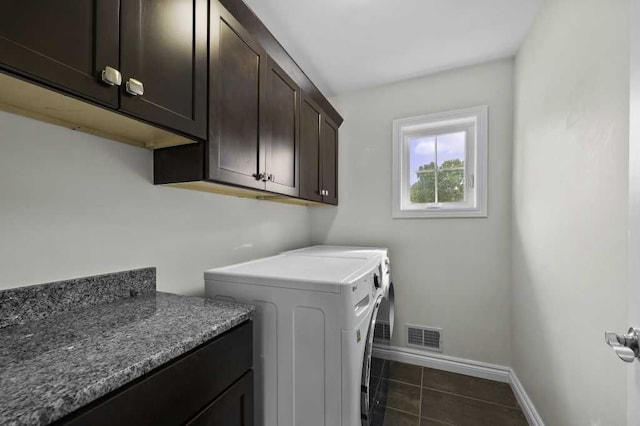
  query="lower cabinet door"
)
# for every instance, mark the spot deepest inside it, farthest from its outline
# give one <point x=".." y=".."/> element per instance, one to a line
<point x="232" y="408"/>
<point x="175" y="393"/>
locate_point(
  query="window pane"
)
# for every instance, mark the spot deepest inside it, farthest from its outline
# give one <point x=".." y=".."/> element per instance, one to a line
<point x="451" y="156"/>
<point x="450" y="185"/>
<point x="422" y="163"/>
<point x="451" y="150"/>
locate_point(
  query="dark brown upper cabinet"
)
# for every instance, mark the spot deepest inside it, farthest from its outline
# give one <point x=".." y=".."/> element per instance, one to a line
<point x="146" y="59"/>
<point x="310" y="177"/>
<point x="318" y="154"/>
<point x="272" y="134"/>
<point x="64" y="44"/>
<point x="329" y="160"/>
<point x="237" y="123"/>
<point x="282" y="145"/>
<point x="163" y="53"/>
<point x="253" y="124"/>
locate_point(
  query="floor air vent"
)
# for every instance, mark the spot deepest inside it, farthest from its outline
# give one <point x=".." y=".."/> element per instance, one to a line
<point x="382" y="332"/>
<point x="428" y="338"/>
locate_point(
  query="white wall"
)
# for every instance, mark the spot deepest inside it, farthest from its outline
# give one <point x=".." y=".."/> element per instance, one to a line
<point x="449" y="273"/>
<point x="73" y="205"/>
<point x="633" y="279"/>
<point x="570" y="210"/>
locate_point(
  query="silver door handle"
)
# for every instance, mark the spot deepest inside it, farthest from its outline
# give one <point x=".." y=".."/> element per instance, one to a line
<point x="111" y="76"/>
<point x="625" y="345"/>
<point x="135" y="87"/>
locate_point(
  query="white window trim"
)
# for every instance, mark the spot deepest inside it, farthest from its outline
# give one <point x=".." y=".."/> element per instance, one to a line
<point x="457" y="120"/>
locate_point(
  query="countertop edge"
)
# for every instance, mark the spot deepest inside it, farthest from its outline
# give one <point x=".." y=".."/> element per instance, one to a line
<point x="122" y="378"/>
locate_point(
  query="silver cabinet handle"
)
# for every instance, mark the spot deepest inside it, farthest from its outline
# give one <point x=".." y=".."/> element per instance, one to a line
<point x="271" y="177"/>
<point x="135" y="87"/>
<point x="626" y="345"/>
<point x="261" y="176"/>
<point x="111" y="76"/>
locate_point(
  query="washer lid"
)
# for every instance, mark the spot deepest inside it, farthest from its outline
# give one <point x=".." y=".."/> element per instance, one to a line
<point x="339" y="251"/>
<point x="327" y="274"/>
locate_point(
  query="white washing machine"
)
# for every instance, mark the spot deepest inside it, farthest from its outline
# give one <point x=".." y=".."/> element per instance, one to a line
<point x="313" y="333"/>
<point x="386" y="313"/>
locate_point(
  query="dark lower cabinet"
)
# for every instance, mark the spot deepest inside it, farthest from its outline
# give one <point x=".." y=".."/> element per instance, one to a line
<point x="163" y="57"/>
<point x="64" y="44"/>
<point x="232" y="408"/>
<point x="211" y="385"/>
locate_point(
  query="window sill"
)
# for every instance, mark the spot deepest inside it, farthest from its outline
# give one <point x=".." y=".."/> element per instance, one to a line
<point x="439" y="213"/>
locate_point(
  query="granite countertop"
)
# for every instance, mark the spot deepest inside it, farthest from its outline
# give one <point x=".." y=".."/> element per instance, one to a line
<point x="51" y="366"/>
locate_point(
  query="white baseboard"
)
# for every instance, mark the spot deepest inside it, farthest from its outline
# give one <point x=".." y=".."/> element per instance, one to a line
<point x="483" y="370"/>
<point x="438" y="361"/>
<point x="529" y="410"/>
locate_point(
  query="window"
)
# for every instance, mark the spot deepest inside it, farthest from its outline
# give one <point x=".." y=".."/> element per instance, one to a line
<point x="440" y="165"/>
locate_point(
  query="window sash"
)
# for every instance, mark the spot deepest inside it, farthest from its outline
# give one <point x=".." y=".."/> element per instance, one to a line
<point x="469" y="166"/>
<point x="476" y="120"/>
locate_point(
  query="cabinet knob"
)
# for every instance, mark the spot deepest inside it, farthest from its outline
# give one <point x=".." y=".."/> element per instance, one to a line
<point x="111" y="76"/>
<point x="135" y="87"/>
<point x="261" y="176"/>
<point x="271" y="178"/>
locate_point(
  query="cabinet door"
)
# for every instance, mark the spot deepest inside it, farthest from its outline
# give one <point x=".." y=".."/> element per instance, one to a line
<point x="282" y="146"/>
<point x="164" y="47"/>
<point x="64" y="44"/>
<point x="310" y="116"/>
<point x="329" y="161"/>
<point x="236" y="103"/>
<point x="232" y="408"/>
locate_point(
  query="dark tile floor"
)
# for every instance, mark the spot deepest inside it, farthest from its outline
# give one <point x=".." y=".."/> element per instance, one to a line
<point x="409" y="395"/>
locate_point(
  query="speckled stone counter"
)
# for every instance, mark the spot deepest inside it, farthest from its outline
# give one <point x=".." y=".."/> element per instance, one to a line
<point x="52" y="366"/>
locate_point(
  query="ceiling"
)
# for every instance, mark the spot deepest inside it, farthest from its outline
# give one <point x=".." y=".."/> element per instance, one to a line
<point x="345" y="45"/>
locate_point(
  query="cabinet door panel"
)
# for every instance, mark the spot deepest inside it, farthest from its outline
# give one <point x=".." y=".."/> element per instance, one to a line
<point x="64" y="44"/>
<point x="164" y="45"/>
<point x="329" y="150"/>
<point x="282" y="150"/>
<point x="232" y="408"/>
<point x="177" y="391"/>
<point x="237" y="92"/>
<point x="310" y="115"/>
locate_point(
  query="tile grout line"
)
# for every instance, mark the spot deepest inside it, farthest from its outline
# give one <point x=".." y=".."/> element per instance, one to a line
<point x="420" y="400"/>
<point x="447" y="392"/>
<point x="400" y="381"/>
<point x="472" y="398"/>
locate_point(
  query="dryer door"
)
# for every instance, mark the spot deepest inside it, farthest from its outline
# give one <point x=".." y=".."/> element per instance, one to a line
<point x="365" y="389"/>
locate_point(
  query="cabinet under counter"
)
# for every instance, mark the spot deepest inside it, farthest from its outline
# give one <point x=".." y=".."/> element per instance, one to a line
<point x="109" y="350"/>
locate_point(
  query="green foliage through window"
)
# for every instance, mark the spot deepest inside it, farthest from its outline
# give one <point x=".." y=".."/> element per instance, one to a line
<point x="444" y="184"/>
